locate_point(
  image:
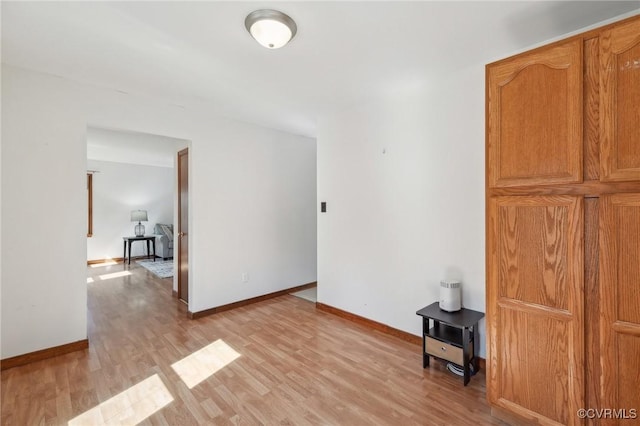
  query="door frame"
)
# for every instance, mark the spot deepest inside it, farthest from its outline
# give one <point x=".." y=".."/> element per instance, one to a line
<point x="183" y="152"/>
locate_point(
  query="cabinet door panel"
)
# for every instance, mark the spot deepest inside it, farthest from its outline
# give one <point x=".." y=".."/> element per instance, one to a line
<point x="534" y="125"/>
<point x="620" y="302"/>
<point x="533" y="268"/>
<point x="535" y="328"/>
<point x="620" y="102"/>
<point x="527" y="364"/>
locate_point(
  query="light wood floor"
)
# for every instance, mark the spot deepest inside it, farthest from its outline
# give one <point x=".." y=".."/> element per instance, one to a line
<point x="286" y="363"/>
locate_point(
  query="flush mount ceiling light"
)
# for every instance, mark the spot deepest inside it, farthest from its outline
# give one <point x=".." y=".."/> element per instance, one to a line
<point x="270" y="28"/>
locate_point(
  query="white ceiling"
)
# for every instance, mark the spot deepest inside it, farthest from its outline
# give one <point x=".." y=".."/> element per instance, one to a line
<point x="199" y="55"/>
<point x="132" y="147"/>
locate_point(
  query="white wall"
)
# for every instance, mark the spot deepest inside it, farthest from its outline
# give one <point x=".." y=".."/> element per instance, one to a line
<point x="399" y="222"/>
<point x="404" y="181"/>
<point x="119" y="188"/>
<point x="252" y="194"/>
<point x="44" y="296"/>
<point x="253" y="209"/>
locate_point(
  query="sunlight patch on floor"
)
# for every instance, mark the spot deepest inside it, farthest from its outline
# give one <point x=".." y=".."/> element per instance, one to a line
<point x="129" y="407"/>
<point x="114" y="275"/>
<point x="89" y="280"/>
<point x="203" y="363"/>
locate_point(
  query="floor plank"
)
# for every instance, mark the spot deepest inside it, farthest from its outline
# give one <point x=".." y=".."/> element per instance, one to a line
<point x="295" y="366"/>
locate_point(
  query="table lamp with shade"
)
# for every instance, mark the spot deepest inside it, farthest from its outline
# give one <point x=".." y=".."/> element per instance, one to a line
<point x="139" y="216"/>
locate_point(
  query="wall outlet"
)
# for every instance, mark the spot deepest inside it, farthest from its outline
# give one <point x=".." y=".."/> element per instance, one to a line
<point x="245" y="277"/>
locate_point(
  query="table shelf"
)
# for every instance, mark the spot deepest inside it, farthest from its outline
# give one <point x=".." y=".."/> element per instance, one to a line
<point x="447" y="334"/>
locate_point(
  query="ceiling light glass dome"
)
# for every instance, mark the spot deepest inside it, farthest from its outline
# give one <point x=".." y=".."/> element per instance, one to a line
<point x="270" y="28"/>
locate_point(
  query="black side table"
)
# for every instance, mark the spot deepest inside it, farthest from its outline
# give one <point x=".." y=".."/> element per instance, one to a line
<point x="148" y="238"/>
<point x="453" y="336"/>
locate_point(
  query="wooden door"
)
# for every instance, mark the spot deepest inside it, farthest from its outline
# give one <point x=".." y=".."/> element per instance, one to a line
<point x="620" y="305"/>
<point x="620" y="102"/>
<point x="183" y="225"/>
<point x="534" y="117"/>
<point x="535" y="328"/>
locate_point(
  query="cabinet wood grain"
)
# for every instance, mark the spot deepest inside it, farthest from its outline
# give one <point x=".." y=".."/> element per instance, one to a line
<point x="620" y="301"/>
<point x="539" y="140"/>
<point x="591" y="123"/>
<point x="591" y="302"/>
<point x="535" y="306"/>
<point x="620" y="102"/>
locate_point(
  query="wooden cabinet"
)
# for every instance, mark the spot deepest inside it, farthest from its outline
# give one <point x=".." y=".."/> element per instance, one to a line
<point x="536" y="269"/>
<point x="538" y="141"/>
<point x="620" y="300"/>
<point x="563" y="229"/>
<point x="620" y="102"/>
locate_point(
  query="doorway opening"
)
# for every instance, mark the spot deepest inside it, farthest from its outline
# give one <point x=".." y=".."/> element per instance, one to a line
<point x="134" y="174"/>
